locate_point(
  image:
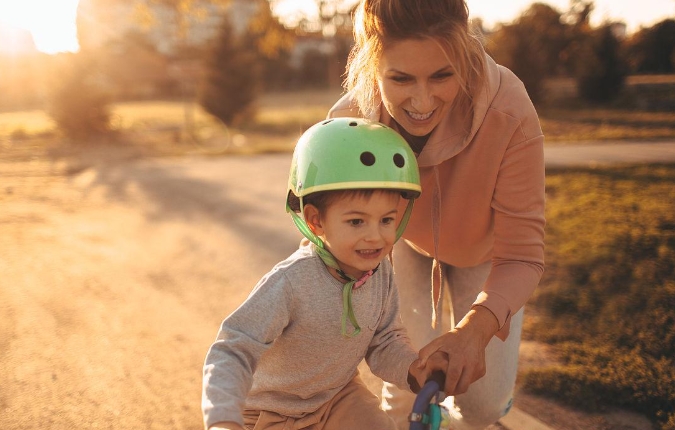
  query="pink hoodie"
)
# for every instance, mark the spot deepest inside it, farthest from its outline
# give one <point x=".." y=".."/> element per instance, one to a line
<point x="489" y="189"/>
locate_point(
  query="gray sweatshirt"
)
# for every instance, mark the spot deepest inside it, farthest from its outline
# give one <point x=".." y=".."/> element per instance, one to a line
<point x="282" y="349"/>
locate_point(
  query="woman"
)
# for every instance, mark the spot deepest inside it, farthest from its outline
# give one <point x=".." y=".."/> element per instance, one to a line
<point x="476" y="237"/>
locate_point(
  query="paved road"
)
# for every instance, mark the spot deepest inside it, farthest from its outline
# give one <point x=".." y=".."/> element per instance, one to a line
<point x="590" y="155"/>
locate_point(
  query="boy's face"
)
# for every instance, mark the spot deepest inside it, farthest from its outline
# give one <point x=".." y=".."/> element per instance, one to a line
<point x="359" y="231"/>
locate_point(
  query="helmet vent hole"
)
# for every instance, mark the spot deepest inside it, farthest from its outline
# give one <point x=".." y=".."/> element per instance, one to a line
<point x="328" y="121"/>
<point x="399" y="160"/>
<point x="368" y="158"/>
<point x="353" y="124"/>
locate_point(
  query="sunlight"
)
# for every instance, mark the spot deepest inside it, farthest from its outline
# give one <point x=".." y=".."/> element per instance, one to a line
<point x="51" y="22"/>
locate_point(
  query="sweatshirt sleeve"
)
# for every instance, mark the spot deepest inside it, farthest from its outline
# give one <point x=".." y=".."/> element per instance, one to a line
<point x="391" y="353"/>
<point x="518" y="253"/>
<point x="243" y="337"/>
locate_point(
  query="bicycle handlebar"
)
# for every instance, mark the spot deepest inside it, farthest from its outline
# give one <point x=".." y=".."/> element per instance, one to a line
<point x="434" y="384"/>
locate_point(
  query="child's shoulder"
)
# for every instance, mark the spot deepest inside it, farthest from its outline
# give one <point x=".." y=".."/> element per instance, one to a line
<point x="302" y="260"/>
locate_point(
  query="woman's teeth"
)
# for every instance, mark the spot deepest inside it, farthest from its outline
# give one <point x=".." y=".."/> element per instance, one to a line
<point x="419" y="116"/>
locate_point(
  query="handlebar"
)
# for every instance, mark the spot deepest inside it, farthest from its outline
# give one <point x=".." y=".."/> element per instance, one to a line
<point x="432" y="387"/>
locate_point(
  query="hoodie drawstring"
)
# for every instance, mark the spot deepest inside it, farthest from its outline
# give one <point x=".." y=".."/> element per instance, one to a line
<point x="436" y="268"/>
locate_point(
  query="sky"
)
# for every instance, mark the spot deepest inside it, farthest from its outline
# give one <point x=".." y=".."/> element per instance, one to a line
<point x="52" y="22"/>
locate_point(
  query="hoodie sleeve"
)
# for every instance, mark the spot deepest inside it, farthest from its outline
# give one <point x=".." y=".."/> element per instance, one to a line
<point x="243" y="337"/>
<point x="518" y="204"/>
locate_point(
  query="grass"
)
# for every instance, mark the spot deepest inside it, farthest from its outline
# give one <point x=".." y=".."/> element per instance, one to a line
<point x="24" y="124"/>
<point x="607" y="299"/>
<point x="578" y="125"/>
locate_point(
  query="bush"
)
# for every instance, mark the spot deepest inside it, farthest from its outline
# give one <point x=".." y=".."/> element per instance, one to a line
<point x="79" y="106"/>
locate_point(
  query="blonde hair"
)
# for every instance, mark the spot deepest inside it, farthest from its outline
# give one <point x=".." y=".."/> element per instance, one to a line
<point x="381" y="22"/>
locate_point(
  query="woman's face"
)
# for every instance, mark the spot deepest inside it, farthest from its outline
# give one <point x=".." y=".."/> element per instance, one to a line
<point x="417" y="84"/>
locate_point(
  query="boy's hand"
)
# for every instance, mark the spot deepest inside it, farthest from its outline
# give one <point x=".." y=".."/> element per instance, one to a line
<point x="417" y="376"/>
<point x="226" y="426"/>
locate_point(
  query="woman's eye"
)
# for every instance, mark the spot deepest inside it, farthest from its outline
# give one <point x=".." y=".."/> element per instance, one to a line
<point x="443" y="76"/>
<point x="400" y="79"/>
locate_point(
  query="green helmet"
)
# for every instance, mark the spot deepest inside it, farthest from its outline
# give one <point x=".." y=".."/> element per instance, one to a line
<point x="345" y="154"/>
<point x="351" y="153"/>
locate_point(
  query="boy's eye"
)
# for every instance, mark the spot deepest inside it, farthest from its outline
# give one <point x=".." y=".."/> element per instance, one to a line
<point x="387" y="220"/>
<point x="355" y="222"/>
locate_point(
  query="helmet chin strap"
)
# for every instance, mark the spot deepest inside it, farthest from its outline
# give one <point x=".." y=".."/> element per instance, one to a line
<point x="330" y="261"/>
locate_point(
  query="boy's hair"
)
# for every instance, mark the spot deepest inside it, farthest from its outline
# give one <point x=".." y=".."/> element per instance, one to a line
<point x="323" y="199"/>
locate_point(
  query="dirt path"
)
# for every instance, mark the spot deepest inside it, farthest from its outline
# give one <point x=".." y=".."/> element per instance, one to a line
<point x="114" y="281"/>
<point x="115" y="274"/>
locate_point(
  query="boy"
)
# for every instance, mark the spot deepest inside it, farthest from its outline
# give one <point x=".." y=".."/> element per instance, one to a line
<point x="287" y="357"/>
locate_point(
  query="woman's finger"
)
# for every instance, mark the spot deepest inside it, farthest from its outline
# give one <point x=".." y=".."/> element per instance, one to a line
<point x="427" y="351"/>
<point x="452" y="378"/>
<point x="463" y="383"/>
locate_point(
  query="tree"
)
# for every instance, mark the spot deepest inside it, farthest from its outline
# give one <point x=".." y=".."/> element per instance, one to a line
<point x="652" y="50"/>
<point x="600" y="71"/>
<point x="531" y="46"/>
<point x="231" y="81"/>
<point x="134" y="68"/>
<point x="272" y="42"/>
<point x="79" y="107"/>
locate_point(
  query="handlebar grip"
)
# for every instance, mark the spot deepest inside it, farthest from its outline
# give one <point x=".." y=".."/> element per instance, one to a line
<point x="437" y="376"/>
<point x="434" y="384"/>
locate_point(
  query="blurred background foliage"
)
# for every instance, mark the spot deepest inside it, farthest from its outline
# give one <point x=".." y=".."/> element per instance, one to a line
<point x="182" y="50"/>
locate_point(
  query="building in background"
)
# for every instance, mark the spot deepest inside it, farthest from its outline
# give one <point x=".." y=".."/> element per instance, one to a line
<point x="102" y="21"/>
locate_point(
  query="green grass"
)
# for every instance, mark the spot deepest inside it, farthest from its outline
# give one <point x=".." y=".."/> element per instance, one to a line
<point x="607" y="299"/>
<point x="585" y="124"/>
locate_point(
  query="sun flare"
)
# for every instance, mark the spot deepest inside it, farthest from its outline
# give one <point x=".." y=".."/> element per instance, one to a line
<point x="50" y="22"/>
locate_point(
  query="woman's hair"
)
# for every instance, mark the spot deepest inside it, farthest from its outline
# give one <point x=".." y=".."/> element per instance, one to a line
<point x="380" y="22"/>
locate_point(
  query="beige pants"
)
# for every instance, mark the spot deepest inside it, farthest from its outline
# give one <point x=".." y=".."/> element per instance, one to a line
<point x="353" y="408"/>
<point x="487" y="399"/>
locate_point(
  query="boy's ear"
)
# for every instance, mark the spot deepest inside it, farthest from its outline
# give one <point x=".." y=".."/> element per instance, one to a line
<point x="313" y="219"/>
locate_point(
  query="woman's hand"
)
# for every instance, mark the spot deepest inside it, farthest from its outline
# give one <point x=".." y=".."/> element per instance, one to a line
<point x="465" y="347"/>
<point x="436" y="361"/>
